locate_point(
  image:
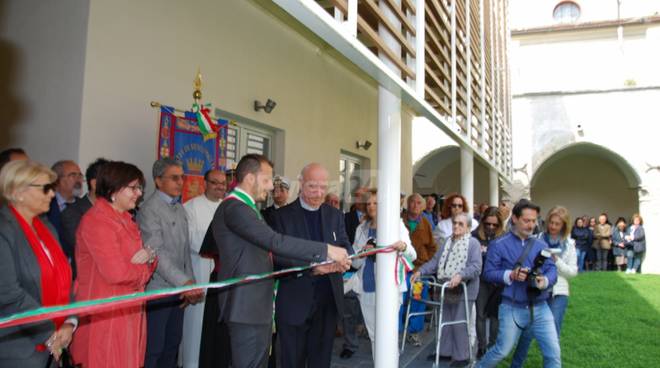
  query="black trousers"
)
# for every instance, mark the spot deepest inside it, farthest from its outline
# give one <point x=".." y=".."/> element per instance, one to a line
<point x="249" y="344"/>
<point x="214" y="350"/>
<point x="309" y="344"/>
<point x="164" y="332"/>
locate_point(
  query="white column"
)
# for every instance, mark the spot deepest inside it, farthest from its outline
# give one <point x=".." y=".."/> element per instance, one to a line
<point x="494" y="188"/>
<point x="467" y="177"/>
<point x="389" y="188"/>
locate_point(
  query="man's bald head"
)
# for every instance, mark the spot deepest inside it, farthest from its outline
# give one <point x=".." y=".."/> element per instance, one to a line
<point x="313" y="184"/>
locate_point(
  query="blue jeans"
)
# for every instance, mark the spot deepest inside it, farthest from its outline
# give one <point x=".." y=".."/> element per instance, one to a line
<point x="558" y="305"/>
<point x="513" y="320"/>
<point x="634" y="260"/>
<point x="581" y="256"/>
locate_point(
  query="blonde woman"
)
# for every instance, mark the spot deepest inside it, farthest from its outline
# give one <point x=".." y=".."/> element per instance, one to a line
<point x="34" y="272"/>
<point x="556" y="236"/>
<point x="365" y="278"/>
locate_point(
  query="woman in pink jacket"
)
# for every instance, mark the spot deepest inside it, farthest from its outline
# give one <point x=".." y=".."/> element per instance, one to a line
<point x="112" y="261"/>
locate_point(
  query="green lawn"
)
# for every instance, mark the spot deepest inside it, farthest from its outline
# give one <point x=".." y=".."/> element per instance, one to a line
<point x="613" y="320"/>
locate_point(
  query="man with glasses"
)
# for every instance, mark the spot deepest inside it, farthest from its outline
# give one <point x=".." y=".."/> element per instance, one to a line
<point x="200" y="211"/>
<point x="164" y="229"/>
<point x="74" y="212"/>
<point x="511" y="262"/>
<point x="67" y="190"/>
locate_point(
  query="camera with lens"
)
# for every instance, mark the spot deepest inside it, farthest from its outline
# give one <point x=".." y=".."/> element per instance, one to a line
<point x="532" y="288"/>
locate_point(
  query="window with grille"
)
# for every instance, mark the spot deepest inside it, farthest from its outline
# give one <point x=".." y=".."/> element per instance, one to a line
<point x="243" y="139"/>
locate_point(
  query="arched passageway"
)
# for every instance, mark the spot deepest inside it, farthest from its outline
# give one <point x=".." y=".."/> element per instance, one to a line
<point x="440" y="172"/>
<point x="587" y="179"/>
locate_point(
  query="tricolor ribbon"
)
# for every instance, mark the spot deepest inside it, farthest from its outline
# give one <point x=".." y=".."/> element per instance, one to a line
<point x="204" y="121"/>
<point x="122" y="301"/>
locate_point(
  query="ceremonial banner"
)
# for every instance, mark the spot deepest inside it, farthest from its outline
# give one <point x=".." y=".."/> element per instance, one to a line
<point x="180" y="138"/>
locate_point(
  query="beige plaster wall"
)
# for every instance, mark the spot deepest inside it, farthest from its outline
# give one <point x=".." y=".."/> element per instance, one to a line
<point x="150" y="50"/>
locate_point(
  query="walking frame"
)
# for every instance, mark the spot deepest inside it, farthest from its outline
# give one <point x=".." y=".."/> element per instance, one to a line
<point x="435" y="315"/>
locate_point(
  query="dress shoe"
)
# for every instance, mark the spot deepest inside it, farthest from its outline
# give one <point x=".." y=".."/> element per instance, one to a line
<point x="346" y="354"/>
<point x="431" y="357"/>
<point x="460" y="363"/>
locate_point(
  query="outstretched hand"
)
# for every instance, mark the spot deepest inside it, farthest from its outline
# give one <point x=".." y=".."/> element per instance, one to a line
<point x="340" y="256"/>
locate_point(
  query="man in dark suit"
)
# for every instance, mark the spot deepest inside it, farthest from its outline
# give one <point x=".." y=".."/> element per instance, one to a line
<point x="245" y="244"/>
<point x="73" y="213"/>
<point x="308" y="304"/>
<point x="280" y="196"/>
<point x="67" y="191"/>
<point x="354" y="217"/>
<point x="352" y="312"/>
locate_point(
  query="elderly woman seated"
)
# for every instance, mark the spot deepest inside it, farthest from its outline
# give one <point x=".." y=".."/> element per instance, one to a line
<point x="458" y="260"/>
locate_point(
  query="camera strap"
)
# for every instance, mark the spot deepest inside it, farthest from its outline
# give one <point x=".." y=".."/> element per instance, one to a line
<point x="525" y="253"/>
<point x="519" y="263"/>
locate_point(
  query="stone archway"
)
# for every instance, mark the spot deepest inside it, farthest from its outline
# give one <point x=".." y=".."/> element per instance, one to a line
<point x="587" y="179"/>
<point x="439" y="171"/>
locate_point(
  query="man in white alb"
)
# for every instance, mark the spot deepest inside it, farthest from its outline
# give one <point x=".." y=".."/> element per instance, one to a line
<point x="200" y="211"/>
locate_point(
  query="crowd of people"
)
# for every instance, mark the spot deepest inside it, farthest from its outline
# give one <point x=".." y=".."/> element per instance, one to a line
<point x="60" y="246"/>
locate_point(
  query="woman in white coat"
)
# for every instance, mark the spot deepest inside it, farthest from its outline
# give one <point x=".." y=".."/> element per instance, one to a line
<point x="364" y="280"/>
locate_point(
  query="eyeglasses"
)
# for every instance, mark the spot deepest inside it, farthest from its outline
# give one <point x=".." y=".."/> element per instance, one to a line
<point x="215" y="182"/>
<point x="74" y="175"/>
<point x="456" y="205"/>
<point x="44" y="187"/>
<point x="136" y="187"/>
<point x="174" y="177"/>
<point x="489" y="224"/>
<point x="458" y="223"/>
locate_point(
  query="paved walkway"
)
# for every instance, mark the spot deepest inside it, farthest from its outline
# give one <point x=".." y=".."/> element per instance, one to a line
<point x="412" y="357"/>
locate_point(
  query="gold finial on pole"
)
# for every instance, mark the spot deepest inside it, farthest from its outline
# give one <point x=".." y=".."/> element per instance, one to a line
<point x="197" y="84"/>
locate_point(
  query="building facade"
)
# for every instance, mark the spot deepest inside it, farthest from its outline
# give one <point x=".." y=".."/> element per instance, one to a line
<point x="585" y="87"/>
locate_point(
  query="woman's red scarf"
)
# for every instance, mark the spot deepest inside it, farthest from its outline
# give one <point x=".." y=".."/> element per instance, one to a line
<point x="55" y="276"/>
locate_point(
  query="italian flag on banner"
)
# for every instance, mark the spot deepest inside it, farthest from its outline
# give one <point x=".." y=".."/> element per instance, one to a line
<point x="206" y="125"/>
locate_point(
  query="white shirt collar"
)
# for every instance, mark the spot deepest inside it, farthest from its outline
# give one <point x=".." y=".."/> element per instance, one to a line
<point x="307" y="206"/>
<point x="61" y="201"/>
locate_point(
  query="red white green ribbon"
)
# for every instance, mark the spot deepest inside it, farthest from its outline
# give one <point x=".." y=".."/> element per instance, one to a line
<point x="122" y="301"/>
<point x="204" y="121"/>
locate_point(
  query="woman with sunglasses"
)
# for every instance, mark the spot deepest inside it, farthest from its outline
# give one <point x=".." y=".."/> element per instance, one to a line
<point x="34" y="272"/>
<point x="453" y="205"/>
<point x="488" y="299"/>
<point x="112" y="261"/>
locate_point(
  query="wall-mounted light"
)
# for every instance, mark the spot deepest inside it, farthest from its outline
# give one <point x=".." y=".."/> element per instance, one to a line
<point x="364" y="145"/>
<point x="268" y="107"/>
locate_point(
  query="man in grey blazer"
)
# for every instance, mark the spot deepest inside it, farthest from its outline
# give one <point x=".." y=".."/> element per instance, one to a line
<point x="164" y="228"/>
<point x="245" y="246"/>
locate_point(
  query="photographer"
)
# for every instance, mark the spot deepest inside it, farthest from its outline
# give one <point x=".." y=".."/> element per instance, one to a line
<point x="517" y="260"/>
